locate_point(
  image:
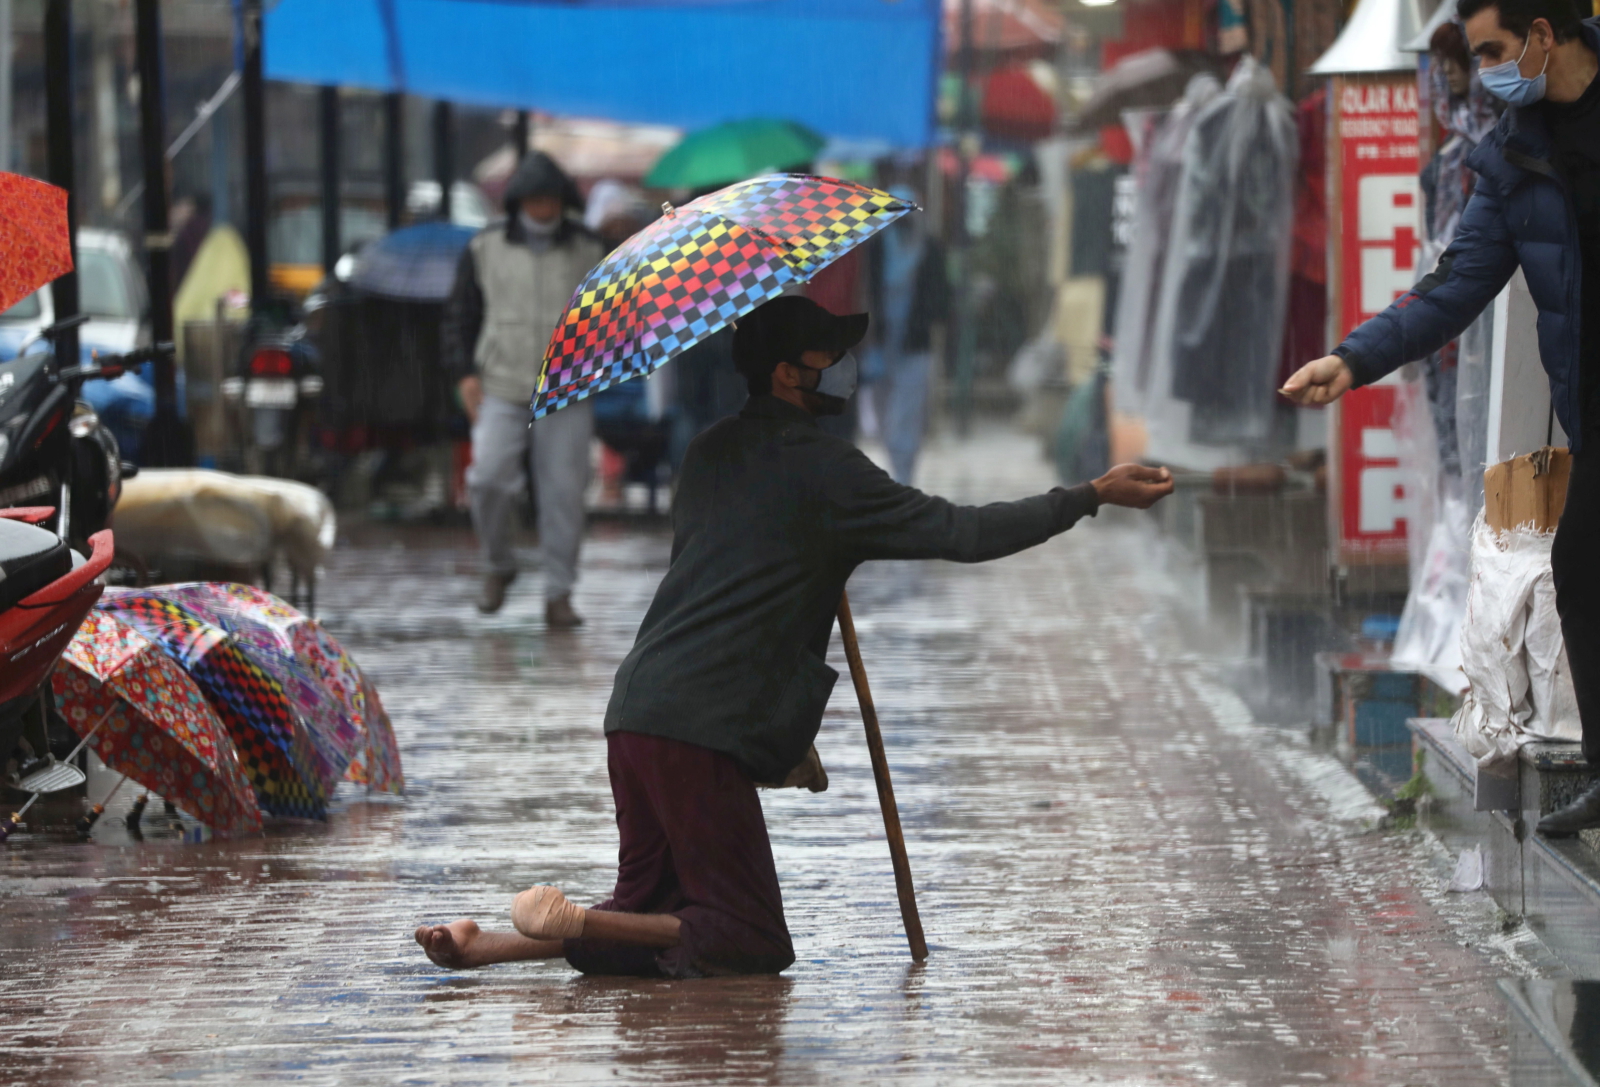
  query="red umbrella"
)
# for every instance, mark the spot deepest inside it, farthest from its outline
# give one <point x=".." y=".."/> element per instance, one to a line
<point x="35" y="246"/>
<point x="1015" y="106"/>
<point x="158" y="729"/>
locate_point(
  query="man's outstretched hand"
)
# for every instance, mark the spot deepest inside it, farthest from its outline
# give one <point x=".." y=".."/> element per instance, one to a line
<point x="1319" y="382"/>
<point x="1134" y="486"/>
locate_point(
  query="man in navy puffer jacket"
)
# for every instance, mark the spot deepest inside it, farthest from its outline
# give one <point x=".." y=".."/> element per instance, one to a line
<point x="1537" y="205"/>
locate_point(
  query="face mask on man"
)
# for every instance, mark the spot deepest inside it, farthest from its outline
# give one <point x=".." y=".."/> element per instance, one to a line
<point x="839" y="380"/>
<point x="1507" y="83"/>
<point x="537" y="228"/>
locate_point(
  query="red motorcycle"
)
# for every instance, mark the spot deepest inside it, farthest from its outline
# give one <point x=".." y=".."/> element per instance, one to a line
<point x="46" y="590"/>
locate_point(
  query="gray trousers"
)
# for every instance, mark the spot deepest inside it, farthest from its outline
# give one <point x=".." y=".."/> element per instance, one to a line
<point x="556" y="452"/>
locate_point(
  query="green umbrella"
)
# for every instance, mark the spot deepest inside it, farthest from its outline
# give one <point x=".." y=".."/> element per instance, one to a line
<point x="725" y="153"/>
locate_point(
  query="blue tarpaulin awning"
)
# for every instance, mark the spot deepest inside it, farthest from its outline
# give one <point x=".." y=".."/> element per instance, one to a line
<point x="852" y="69"/>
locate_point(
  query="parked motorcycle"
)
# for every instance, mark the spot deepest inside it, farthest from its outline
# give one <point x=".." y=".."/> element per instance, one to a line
<point x="45" y="592"/>
<point x="53" y="447"/>
<point x="276" y="390"/>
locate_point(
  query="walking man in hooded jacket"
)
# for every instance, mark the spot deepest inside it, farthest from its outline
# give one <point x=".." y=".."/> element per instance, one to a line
<point x="512" y="288"/>
<point x="1537" y="205"/>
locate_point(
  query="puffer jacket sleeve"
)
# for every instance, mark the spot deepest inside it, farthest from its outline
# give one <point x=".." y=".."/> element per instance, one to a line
<point x="1471" y="272"/>
<point x="463" y="320"/>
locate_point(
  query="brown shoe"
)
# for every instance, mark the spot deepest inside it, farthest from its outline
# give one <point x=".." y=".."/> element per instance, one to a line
<point x="492" y="596"/>
<point x="558" y="614"/>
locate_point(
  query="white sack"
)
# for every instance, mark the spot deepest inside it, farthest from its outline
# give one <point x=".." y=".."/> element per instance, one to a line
<point x="1430" y="636"/>
<point x="1512" y="650"/>
<point x="197" y="515"/>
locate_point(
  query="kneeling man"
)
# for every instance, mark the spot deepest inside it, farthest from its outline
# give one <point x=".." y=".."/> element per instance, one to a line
<point x="726" y="684"/>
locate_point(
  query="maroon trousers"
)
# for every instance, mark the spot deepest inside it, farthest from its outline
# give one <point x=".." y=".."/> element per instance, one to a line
<point x="694" y="844"/>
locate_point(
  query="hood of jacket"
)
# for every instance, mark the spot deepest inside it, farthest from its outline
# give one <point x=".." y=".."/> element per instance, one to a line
<point x="540" y="175"/>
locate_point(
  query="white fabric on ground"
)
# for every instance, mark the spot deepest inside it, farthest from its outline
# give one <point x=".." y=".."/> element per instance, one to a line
<point x="1512" y="650"/>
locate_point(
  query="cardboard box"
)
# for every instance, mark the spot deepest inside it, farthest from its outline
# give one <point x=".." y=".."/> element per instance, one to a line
<point x="1527" y="490"/>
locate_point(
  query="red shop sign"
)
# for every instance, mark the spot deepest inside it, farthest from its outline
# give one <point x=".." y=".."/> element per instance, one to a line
<point x="1379" y="243"/>
<point x="1380" y="196"/>
<point x="1373" y="505"/>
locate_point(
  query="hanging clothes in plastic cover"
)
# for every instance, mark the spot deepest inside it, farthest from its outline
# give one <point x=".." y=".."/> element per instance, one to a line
<point x="1441" y="414"/>
<point x="1158" y="171"/>
<point x="1219" y="328"/>
<point x="1447" y="185"/>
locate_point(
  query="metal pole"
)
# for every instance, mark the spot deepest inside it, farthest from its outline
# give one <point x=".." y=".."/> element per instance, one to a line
<point x="394" y="135"/>
<point x="255" y="159"/>
<point x="520" y="131"/>
<point x="5" y="84"/>
<point x="444" y="167"/>
<point x="965" y="338"/>
<point x="221" y="136"/>
<point x="105" y="173"/>
<point x="166" y="443"/>
<point x="328" y="124"/>
<point x="61" y="167"/>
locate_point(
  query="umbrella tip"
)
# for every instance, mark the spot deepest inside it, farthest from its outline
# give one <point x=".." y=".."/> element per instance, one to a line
<point x="667" y="209"/>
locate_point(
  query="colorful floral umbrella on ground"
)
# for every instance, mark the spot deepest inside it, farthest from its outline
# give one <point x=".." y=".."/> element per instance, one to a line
<point x="698" y="268"/>
<point x="157" y="728"/>
<point x="291" y="777"/>
<point x="338" y="701"/>
<point x="35" y="246"/>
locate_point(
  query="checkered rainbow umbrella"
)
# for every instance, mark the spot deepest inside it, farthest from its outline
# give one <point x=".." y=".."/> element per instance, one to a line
<point x="338" y="702"/>
<point x="698" y="268"/>
<point x="293" y="774"/>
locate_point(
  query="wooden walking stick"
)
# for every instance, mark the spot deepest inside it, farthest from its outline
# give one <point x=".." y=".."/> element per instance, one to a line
<point x="880" y="774"/>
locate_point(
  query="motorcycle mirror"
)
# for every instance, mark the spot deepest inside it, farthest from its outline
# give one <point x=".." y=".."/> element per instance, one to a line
<point x="63" y="326"/>
<point x="53" y="332"/>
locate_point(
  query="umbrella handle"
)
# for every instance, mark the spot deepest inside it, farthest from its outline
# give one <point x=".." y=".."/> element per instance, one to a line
<point x="86" y="824"/>
<point x="8" y="825"/>
<point x="135" y="815"/>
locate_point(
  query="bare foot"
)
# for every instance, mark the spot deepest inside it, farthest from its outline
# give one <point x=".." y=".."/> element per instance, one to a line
<point x="462" y="945"/>
<point x="450" y="946"/>
<point x="543" y="913"/>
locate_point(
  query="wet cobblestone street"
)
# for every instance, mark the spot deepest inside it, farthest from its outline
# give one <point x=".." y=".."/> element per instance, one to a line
<point x="1124" y="879"/>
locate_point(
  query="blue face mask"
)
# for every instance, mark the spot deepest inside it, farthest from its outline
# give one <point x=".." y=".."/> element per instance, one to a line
<point x="839" y="380"/>
<point x="1507" y="83"/>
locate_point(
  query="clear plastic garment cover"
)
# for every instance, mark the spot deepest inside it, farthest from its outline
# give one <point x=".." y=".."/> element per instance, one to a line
<point x="1213" y="279"/>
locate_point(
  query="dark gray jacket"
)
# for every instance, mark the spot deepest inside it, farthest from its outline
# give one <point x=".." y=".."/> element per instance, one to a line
<point x="770" y="517"/>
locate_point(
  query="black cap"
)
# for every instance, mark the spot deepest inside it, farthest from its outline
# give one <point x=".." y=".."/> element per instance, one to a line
<point x="783" y="329"/>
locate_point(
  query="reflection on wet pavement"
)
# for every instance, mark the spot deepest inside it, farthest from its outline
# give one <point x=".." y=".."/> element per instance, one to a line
<point x="1122" y="879"/>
